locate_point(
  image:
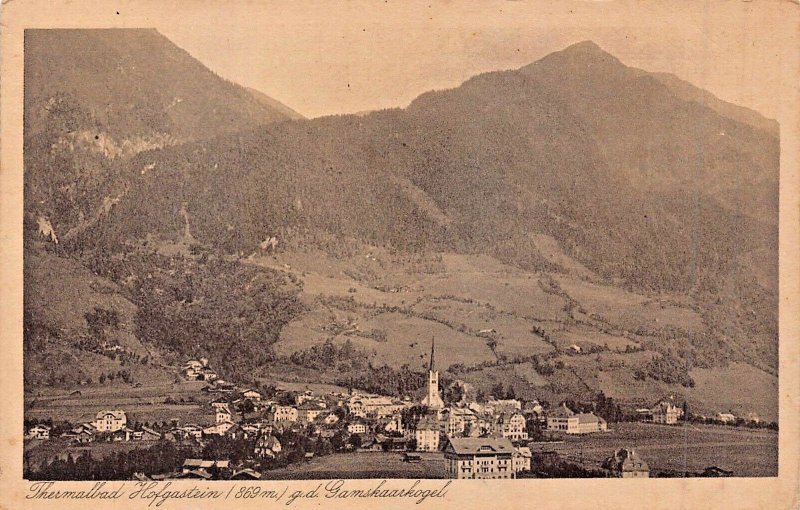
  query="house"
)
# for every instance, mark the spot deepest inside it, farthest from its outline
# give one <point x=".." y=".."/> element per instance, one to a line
<point x="513" y="426"/>
<point x="284" y="413"/>
<point x="371" y="445"/>
<point x="308" y="412"/>
<point x="252" y="429"/>
<point x="251" y="394"/>
<point x="207" y="374"/>
<point x="394" y="424"/>
<point x="218" y="429"/>
<point x="110" y="421"/>
<point x="204" y="469"/>
<point x="533" y="409"/>
<point x="753" y="417"/>
<point x="522" y="459"/>
<point x="193" y="364"/>
<point x="223" y="414"/>
<point x="567" y="421"/>
<point x="191" y="370"/>
<point x="81" y="434"/>
<point x="505" y="405"/>
<point x="267" y="446"/>
<point x="626" y="463"/>
<point x="39" y="432"/>
<point x="196" y="474"/>
<point x="484" y="425"/>
<point x="123" y="434"/>
<point x="148" y="434"/>
<point x="453" y="424"/>
<point x="726" y="417"/>
<point x="575" y="348"/>
<point x="427" y="435"/>
<point x="235" y="432"/>
<point x="191" y="431"/>
<point x="479" y="458"/>
<point x="357" y="427"/>
<point x="395" y="444"/>
<point x="665" y="412"/>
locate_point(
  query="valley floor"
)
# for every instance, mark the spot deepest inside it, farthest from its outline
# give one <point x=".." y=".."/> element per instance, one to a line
<point x="677" y="449"/>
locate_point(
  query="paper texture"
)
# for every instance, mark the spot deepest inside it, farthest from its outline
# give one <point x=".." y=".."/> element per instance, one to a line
<point x="533" y="187"/>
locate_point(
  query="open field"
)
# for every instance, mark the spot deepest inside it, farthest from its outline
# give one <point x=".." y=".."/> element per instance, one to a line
<point x="746" y="452"/>
<point x="362" y="465"/>
<point x="145" y="403"/>
<point x="39" y="452"/>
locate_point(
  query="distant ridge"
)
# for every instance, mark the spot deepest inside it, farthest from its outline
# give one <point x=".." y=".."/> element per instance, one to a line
<point x="689" y="92"/>
<point x="274" y="104"/>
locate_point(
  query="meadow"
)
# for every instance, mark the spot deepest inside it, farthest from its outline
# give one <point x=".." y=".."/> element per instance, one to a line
<point x="746" y="452"/>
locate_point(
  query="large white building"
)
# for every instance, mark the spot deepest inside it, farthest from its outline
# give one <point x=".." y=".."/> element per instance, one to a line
<point x="469" y="457"/>
<point x="569" y="422"/>
<point x="110" y="421"/>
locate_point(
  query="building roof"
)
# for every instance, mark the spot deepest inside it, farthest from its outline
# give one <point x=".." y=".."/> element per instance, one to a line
<point x="478" y="445"/>
<point x="149" y="430"/>
<point x="268" y="441"/>
<point x="310" y="406"/>
<point x="427" y="423"/>
<point x="245" y="474"/>
<point x="196" y="473"/>
<point x="589" y="418"/>
<point x="562" y="412"/>
<point x="118" y="415"/>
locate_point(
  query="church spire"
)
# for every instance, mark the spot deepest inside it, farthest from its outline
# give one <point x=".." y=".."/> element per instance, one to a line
<point x="433" y="348"/>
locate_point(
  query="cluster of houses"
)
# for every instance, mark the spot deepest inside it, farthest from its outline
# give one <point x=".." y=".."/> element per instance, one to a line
<point x="198" y="370"/>
<point x="478" y="440"/>
<point x="107" y="425"/>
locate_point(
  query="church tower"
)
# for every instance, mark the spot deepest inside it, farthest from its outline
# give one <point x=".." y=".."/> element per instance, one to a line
<point x="433" y="400"/>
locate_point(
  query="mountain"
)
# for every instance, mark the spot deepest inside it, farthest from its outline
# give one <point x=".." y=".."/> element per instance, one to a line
<point x="129" y="83"/>
<point x="99" y="95"/>
<point x="619" y="210"/>
<point x="689" y="92"/>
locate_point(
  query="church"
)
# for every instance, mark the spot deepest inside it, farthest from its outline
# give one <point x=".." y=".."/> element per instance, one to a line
<point x="432" y="399"/>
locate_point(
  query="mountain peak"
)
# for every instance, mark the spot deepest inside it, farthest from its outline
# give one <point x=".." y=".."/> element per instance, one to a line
<point x="584" y="46"/>
<point x="582" y="55"/>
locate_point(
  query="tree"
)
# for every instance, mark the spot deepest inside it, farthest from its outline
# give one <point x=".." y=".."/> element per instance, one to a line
<point x="453" y="393"/>
<point x="497" y="390"/>
<point x="246" y="407"/>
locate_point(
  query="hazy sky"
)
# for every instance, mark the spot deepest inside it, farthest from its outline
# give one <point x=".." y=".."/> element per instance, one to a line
<point x="345" y="56"/>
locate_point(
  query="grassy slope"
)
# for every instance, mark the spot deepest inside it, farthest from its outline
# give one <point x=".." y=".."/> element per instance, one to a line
<point x="471" y="293"/>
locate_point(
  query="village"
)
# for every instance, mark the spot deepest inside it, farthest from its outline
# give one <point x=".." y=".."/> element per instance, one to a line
<point x="254" y="436"/>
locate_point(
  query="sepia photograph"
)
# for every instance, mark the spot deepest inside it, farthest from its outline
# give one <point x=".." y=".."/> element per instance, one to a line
<point x="484" y="248"/>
